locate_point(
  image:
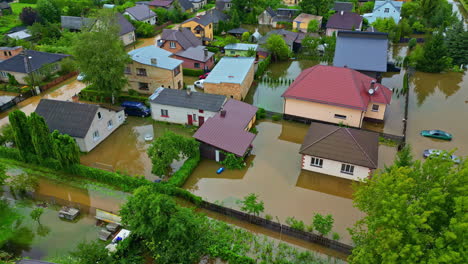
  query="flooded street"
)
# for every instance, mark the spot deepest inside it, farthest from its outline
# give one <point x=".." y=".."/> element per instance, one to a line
<point x="63" y="91"/>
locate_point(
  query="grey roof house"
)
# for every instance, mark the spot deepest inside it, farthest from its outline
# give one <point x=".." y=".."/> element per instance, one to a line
<point x="343" y="6"/>
<point x="344" y="21"/>
<point x="237" y="32"/>
<point x="88" y="124"/>
<point x="223" y="5"/>
<point x="214" y="15"/>
<point x="184" y="106"/>
<point x="272" y="17"/>
<point x="362" y="51"/>
<point x="74" y="23"/>
<point x="292" y="39"/>
<point x="141" y="13"/>
<point x="196" y="58"/>
<point x="127" y="30"/>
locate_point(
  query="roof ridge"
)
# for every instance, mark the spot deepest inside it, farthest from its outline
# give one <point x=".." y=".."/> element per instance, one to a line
<point x="320" y="139"/>
<point x="360" y="147"/>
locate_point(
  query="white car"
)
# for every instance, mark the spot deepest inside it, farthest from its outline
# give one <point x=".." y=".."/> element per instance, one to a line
<point x="81" y="77"/>
<point x="199" y="84"/>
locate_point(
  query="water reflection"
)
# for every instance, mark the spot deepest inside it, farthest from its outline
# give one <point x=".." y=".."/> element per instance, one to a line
<point x="426" y="84"/>
<point x="325" y="184"/>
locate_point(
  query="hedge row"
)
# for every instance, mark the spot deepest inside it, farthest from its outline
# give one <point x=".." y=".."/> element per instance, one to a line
<point x="180" y="177"/>
<point x="28" y="1"/>
<point x="192" y="72"/>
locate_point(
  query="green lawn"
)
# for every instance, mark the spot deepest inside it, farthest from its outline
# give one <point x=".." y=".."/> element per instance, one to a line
<point x="11" y="21"/>
<point x="17" y="7"/>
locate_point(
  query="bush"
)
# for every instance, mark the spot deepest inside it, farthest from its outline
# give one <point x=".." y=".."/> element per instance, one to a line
<point x="179" y="177"/>
<point x="192" y="72"/>
<point x="233" y="162"/>
<point x="213" y="49"/>
<point x="336" y="236"/>
<point x="276" y="117"/>
<point x="296" y="224"/>
<point x="88" y="94"/>
<point x="261" y="113"/>
<point x="262" y="66"/>
<point x="10" y="153"/>
<point x="28" y="1"/>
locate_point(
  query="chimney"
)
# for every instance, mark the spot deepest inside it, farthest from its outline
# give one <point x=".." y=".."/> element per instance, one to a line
<point x="342" y="12"/>
<point x="154" y="61"/>
<point x="372" y="84"/>
<point x="206" y="52"/>
<point x="223" y="113"/>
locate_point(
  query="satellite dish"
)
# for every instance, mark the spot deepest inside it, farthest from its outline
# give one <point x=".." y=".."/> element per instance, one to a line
<point x="371" y="91"/>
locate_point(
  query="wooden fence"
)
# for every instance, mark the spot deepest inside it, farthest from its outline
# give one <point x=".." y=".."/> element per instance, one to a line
<point x="57" y="80"/>
<point x="277" y="227"/>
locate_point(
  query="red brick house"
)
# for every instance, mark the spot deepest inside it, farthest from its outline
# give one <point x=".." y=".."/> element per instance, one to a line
<point x="197" y="58"/>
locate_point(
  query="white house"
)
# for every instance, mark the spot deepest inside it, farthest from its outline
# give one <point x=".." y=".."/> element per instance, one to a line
<point x="141" y="13"/>
<point x="385" y="9"/>
<point x="340" y="151"/>
<point x="88" y="124"/>
<point x="184" y="107"/>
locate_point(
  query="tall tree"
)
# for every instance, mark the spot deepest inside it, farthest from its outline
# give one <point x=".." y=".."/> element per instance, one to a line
<point x="457" y="44"/>
<point x="278" y="48"/>
<point x="251" y="205"/>
<point x="22" y="133"/>
<point x="434" y="57"/>
<point x="413" y="214"/>
<point x="40" y="136"/>
<point x="49" y="11"/>
<point x="99" y="53"/>
<point x="65" y="149"/>
<point x="315" y="7"/>
<point x="29" y="16"/>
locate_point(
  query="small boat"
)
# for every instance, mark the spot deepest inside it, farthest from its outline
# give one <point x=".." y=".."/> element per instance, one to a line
<point x="220" y="170"/>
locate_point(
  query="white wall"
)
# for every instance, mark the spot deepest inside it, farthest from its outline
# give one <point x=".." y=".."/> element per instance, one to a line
<point x="128" y="38"/>
<point x="331" y="167"/>
<point x="88" y="143"/>
<point x="177" y="115"/>
<point x="151" y="20"/>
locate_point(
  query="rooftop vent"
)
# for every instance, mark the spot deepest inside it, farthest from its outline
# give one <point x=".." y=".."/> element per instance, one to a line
<point x="372" y="88"/>
<point x="223" y="113"/>
<point x="154" y="61"/>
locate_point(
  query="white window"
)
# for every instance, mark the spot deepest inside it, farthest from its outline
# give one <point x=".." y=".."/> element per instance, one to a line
<point x="164" y="113"/>
<point x="99" y="116"/>
<point x="346" y="168"/>
<point x="172" y="45"/>
<point x="96" y="135"/>
<point x="375" y="108"/>
<point x="340" y="116"/>
<point x="110" y="124"/>
<point x="316" y="162"/>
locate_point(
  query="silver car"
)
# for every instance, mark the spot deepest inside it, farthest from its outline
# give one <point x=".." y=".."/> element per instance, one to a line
<point x="431" y="152"/>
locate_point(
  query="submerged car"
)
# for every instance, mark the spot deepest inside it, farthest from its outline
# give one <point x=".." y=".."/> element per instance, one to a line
<point x="436" y="152"/>
<point x="436" y="134"/>
<point x="199" y="84"/>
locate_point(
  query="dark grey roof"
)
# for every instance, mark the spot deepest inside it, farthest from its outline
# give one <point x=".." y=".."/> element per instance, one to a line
<point x="344" y="20"/>
<point x="343" y="144"/>
<point x="215" y="16"/>
<point x="237" y="31"/>
<point x="221" y="4"/>
<point x="196" y="100"/>
<point x="343" y="6"/>
<point x="286" y="12"/>
<point x="203" y="20"/>
<point x="183" y="36"/>
<point x="185" y="4"/>
<point x="38" y="59"/>
<point x="125" y="25"/>
<point x="5" y="5"/>
<point x="270" y="11"/>
<point x="365" y="51"/>
<point x="73" y="22"/>
<point x="195" y="53"/>
<point x="69" y="118"/>
<point x="140" y="12"/>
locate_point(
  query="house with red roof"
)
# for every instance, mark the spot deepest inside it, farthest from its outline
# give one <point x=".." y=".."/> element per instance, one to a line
<point x="228" y="131"/>
<point x="336" y="95"/>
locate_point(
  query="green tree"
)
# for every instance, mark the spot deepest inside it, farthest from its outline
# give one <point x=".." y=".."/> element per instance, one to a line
<point x="23" y="183"/>
<point x="277" y="47"/>
<point x="235" y="19"/>
<point x="40" y="136"/>
<point x="313" y="26"/>
<point x="245" y="36"/>
<point x="414" y="214"/>
<point x="323" y="224"/>
<point x="457" y="44"/>
<point x="434" y="58"/>
<point x="8" y="220"/>
<point x="251" y="52"/>
<point x="315" y="7"/>
<point x="29" y="16"/>
<point x="412" y="43"/>
<point x="65" y="149"/>
<point x="367" y="7"/>
<point x="91" y="252"/>
<point x="232" y="162"/>
<point x="36" y="214"/>
<point x="49" y="11"/>
<point x="101" y="56"/>
<point x="6" y="134"/>
<point x="251" y="204"/>
<point x="22" y="133"/>
<point x="404" y="158"/>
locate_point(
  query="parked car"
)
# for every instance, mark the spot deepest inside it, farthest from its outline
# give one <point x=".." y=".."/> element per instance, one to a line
<point x="203" y="76"/>
<point x="136" y="109"/>
<point x="436" y="134"/>
<point x="199" y="84"/>
<point x="81" y="77"/>
<point x="436" y="152"/>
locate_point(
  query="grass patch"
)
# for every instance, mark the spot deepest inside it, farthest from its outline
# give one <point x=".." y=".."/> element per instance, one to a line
<point x="387" y="142"/>
<point x="17" y="7"/>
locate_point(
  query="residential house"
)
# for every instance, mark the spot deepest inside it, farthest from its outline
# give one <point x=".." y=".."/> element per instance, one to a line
<point x="227" y="131"/>
<point x="74" y="23"/>
<point x="30" y="62"/>
<point x="5" y="9"/>
<point x="141" y="13"/>
<point x="277" y="18"/>
<point x="184" y="106"/>
<point x="186" y="5"/>
<point x="198" y="4"/>
<point x="335" y="95"/>
<point x="340" y="151"/>
<point x="362" y="51"/>
<point x="343" y="6"/>
<point x="291" y="2"/>
<point x="167" y="4"/>
<point x="88" y="124"/>
<point x="20" y="32"/>
<point x="301" y="22"/>
<point x="231" y="77"/>
<point x="214" y="15"/>
<point x="127" y="30"/>
<point x="152" y="68"/>
<point x="240" y="50"/>
<point x="344" y="21"/>
<point x="237" y="32"/>
<point x="8" y="52"/>
<point x="292" y="39"/>
<point x="223" y="5"/>
<point x="202" y="27"/>
<point x="174" y="40"/>
<point x="255" y="37"/>
<point x="385" y="9"/>
<point x="196" y="58"/>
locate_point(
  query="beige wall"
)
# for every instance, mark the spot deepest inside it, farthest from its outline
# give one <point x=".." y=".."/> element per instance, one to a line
<point x="331" y="167"/>
<point x="232" y="90"/>
<point x="251" y="123"/>
<point x="128" y="38"/>
<point x="379" y="115"/>
<point x="291" y="2"/>
<point x="155" y="77"/>
<point x="323" y="112"/>
<point x="208" y="29"/>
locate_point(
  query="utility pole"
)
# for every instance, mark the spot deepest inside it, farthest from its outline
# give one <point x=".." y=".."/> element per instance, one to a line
<point x="27" y="60"/>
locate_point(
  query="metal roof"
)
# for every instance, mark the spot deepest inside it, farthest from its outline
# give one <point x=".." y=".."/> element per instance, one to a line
<point x="74" y="22"/>
<point x="125" y="25"/>
<point x="195" y="53"/>
<point x="343" y="6"/>
<point x="145" y="54"/>
<point x="192" y="100"/>
<point x="241" y="46"/>
<point x="23" y="34"/>
<point x="342" y="144"/>
<point x="230" y="70"/>
<point x="365" y="51"/>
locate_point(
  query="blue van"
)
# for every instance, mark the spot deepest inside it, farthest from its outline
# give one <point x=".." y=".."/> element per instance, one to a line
<point x="136" y="109"/>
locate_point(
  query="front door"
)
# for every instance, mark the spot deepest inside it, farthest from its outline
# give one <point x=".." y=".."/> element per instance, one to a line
<point x="201" y="120"/>
<point x="189" y="120"/>
<point x="217" y="155"/>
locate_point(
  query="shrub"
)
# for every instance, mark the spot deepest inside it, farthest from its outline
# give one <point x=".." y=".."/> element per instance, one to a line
<point x="213" y="49"/>
<point x="254" y="130"/>
<point x="10" y="153"/>
<point x="28" y="1"/>
<point x="276" y="117"/>
<point x="179" y="177"/>
<point x="192" y="72"/>
<point x="261" y="113"/>
<point x="412" y="43"/>
<point x="268" y="217"/>
<point x="232" y="161"/>
<point x="336" y="236"/>
<point x="296" y="224"/>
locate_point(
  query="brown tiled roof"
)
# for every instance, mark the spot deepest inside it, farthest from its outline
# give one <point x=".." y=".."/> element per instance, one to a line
<point x="342" y="144"/>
